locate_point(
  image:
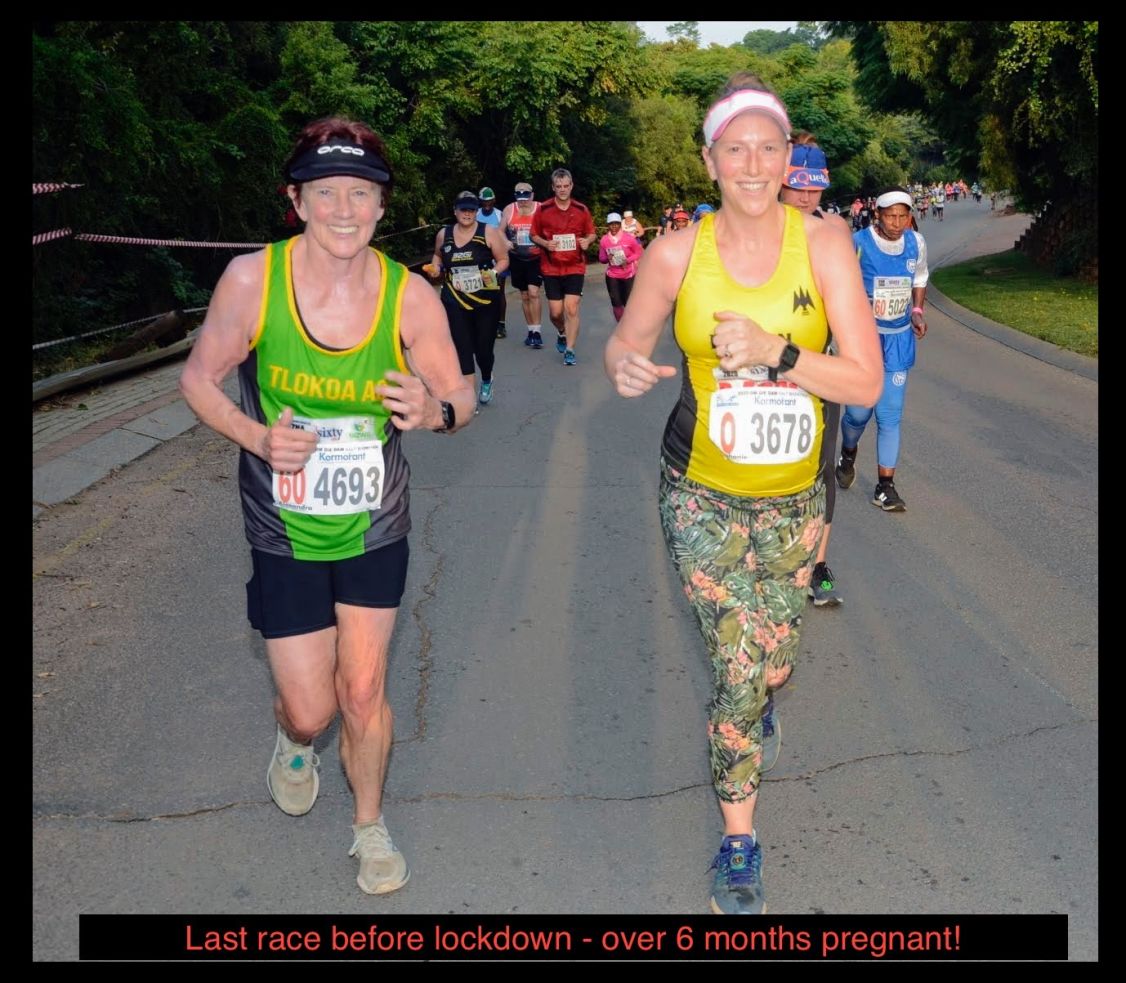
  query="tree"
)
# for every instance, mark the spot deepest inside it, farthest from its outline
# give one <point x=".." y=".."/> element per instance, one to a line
<point x="767" y="42"/>
<point x="666" y="153"/>
<point x="685" y="30"/>
<point x="1015" y="101"/>
<point x="161" y="124"/>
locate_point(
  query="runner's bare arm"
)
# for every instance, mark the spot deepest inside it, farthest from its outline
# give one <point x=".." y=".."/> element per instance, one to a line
<point x="435" y="264"/>
<point x="855" y="375"/>
<point x="499" y="245"/>
<point x="415" y="400"/>
<point x="223" y="344"/>
<point x="659" y="274"/>
<point x="505" y="218"/>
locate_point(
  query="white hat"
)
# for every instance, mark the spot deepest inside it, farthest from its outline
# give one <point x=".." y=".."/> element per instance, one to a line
<point x="741" y="101"/>
<point x="613" y="217"/>
<point x="628" y="214"/>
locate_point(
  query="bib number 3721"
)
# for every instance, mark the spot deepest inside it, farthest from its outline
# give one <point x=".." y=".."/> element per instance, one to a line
<point x="759" y="422"/>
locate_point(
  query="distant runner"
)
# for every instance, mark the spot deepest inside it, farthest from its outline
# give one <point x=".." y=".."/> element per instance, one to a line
<point x="524" y="260"/>
<point x="893" y="261"/>
<point x="564" y="229"/>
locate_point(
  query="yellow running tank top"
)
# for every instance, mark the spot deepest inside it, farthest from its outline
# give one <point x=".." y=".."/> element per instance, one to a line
<point x="742" y="433"/>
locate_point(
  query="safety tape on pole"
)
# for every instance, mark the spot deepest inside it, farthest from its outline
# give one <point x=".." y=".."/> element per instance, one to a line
<point x="115" y="327"/>
<point x="47" y="187"/>
<point x="91" y="334"/>
<point x="131" y="241"/>
<point x="417" y="228"/>
<point x="48" y="236"/>
<point x="134" y="241"/>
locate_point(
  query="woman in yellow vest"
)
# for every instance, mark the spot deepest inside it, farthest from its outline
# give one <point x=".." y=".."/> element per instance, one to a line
<point x="742" y="498"/>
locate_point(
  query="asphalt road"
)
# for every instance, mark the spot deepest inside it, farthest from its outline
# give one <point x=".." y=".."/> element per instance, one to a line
<point x="940" y="733"/>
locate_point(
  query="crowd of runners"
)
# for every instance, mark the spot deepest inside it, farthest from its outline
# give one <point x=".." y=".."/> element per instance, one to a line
<point x="782" y="314"/>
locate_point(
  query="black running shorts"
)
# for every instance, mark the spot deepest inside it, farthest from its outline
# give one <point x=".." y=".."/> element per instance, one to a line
<point x="525" y="272"/>
<point x="557" y="287"/>
<point x="287" y="597"/>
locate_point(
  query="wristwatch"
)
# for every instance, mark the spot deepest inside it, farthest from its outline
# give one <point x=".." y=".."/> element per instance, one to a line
<point x="786" y="361"/>
<point x="448" y="417"/>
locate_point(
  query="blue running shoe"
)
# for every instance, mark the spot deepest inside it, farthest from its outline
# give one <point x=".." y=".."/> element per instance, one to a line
<point x="737" y="888"/>
<point x="561" y="343"/>
<point x="486" y="391"/>
<point x="568" y="357"/>
<point x="529" y="341"/>
<point x="537" y="341"/>
<point x="771" y="735"/>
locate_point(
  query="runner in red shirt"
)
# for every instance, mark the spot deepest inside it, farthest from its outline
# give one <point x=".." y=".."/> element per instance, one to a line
<point x="565" y="230"/>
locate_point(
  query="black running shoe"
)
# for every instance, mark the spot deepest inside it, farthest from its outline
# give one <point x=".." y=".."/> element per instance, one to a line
<point x="887" y="498"/>
<point x="823" y="587"/>
<point x="846" y="471"/>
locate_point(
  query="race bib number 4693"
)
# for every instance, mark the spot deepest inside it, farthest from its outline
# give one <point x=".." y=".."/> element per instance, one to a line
<point x="756" y="421"/>
<point x="343" y="476"/>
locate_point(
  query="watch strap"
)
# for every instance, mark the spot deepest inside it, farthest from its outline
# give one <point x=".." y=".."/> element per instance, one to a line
<point x="786" y="361"/>
<point x="449" y="418"/>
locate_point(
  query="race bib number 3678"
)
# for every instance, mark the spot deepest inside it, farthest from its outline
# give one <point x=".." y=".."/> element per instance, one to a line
<point x="756" y="421"/>
<point x="343" y="476"/>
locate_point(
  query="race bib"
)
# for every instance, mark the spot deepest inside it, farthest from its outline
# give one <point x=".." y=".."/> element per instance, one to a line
<point x="617" y="256"/>
<point x="564" y="242"/>
<point x="756" y="421"/>
<point x="891" y="296"/>
<point x="466" y="279"/>
<point x="343" y="476"/>
<point x="523" y="235"/>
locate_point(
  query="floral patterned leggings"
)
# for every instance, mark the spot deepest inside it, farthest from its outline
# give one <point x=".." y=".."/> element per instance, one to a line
<point x="746" y="565"/>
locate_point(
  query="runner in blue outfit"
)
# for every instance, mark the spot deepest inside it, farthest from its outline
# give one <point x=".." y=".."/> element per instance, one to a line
<point x="893" y="261"/>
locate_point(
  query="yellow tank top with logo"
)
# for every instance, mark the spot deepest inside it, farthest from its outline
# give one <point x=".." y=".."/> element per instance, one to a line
<point x="741" y="432"/>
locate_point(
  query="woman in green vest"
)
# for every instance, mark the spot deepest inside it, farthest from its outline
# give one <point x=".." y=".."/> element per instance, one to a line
<point x="338" y="350"/>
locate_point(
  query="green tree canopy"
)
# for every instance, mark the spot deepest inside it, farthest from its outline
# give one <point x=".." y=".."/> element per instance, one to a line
<point x="1013" y="100"/>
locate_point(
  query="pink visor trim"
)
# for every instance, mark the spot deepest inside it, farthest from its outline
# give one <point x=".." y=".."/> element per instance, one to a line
<point x="724" y="111"/>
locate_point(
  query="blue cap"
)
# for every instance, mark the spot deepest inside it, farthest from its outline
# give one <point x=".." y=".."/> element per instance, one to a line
<point x="808" y="170"/>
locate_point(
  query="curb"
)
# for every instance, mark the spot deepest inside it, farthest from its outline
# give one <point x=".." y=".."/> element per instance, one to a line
<point x="1044" y="351"/>
<point x="63" y="476"/>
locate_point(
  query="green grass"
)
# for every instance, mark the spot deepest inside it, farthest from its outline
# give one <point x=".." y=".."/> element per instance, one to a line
<point x="1010" y="289"/>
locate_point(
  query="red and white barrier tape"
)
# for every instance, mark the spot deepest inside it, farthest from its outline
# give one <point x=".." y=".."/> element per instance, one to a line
<point x="48" y="236"/>
<point x="114" y="327"/>
<point x="46" y="187"/>
<point x="131" y="241"/>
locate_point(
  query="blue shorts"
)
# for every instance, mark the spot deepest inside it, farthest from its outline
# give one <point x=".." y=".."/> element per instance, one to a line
<point x="285" y="596"/>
